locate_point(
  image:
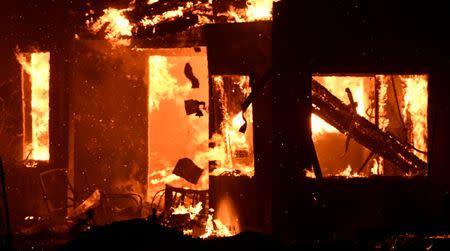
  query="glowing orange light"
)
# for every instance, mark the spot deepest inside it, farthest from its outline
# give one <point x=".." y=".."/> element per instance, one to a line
<point x="259" y="9"/>
<point x="117" y="26"/>
<point x="230" y="143"/>
<point x="416" y="106"/>
<point x="38" y="68"/>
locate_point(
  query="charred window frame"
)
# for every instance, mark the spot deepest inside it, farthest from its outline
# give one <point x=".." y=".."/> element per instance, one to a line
<point x="388" y="148"/>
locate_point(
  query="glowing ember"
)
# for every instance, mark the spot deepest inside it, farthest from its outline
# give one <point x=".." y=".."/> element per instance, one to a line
<point x="117" y="26"/>
<point x="39" y="70"/>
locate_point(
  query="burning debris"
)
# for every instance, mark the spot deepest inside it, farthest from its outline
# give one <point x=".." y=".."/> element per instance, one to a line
<point x="373" y="130"/>
<point x="159" y="18"/>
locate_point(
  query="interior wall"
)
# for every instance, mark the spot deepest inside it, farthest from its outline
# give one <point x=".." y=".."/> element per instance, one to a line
<point x="109" y="119"/>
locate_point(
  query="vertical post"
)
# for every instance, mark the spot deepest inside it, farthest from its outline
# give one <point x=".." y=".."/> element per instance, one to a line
<point x="8" y="239"/>
<point x="377" y="101"/>
<point x="377" y="116"/>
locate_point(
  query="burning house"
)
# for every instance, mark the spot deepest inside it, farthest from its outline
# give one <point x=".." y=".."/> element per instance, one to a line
<point x="304" y="121"/>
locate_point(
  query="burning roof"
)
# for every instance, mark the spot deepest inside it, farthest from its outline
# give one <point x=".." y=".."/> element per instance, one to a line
<point x="160" y="18"/>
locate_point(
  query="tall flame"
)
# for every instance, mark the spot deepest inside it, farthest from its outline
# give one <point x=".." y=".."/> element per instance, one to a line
<point x="163" y="84"/>
<point x="226" y="214"/>
<point x="416" y="105"/>
<point x="39" y="70"/>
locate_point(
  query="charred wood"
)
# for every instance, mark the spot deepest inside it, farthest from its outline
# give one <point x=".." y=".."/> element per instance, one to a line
<point x="171" y="27"/>
<point x="160" y="7"/>
<point x="336" y="113"/>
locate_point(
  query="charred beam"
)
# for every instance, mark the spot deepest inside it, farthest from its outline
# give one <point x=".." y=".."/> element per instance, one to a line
<point x="166" y="28"/>
<point x="336" y="113"/>
<point x="144" y="10"/>
<point x="8" y="239"/>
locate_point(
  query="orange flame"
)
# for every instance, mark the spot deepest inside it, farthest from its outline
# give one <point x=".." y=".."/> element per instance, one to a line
<point x="337" y="85"/>
<point x="163" y="17"/>
<point x="117" y="26"/>
<point x="257" y="10"/>
<point x="348" y="173"/>
<point x="416" y="105"/>
<point x="39" y="70"/>
<point x="164" y="85"/>
<point x="215" y="228"/>
<point x="414" y="109"/>
<point x="310" y="173"/>
<point x="231" y="143"/>
<point x="192" y="211"/>
<point x="227" y="215"/>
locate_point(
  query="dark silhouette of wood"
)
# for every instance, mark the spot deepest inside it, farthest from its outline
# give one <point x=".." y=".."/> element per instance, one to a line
<point x="8" y="240"/>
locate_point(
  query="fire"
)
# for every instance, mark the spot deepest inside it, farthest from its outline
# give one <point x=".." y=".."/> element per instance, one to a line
<point x="377" y="167"/>
<point x="410" y="97"/>
<point x="168" y="88"/>
<point x="118" y="29"/>
<point x="226" y="215"/>
<point x="192" y="211"/>
<point x="38" y="69"/>
<point x="259" y="10"/>
<point x="146" y="21"/>
<point x="215" y="228"/>
<point x="117" y="26"/>
<point x="337" y="85"/>
<point x="415" y="108"/>
<point x="233" y="149"/>
<point x="384" y="121"/>
<point x="348" y="173"/>
<point x="163" y="85"/>
<point x="310" y="173"/>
